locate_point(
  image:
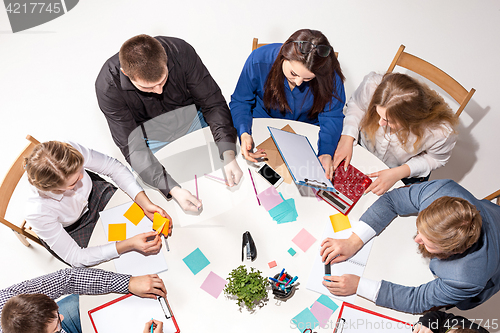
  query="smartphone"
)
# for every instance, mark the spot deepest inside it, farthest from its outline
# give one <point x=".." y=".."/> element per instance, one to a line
<point x="270" y="175"/>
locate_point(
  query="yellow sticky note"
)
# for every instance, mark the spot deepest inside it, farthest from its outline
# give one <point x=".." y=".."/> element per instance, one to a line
<point x="117" y="232"/>
<point x="340" y="222"/>
<point x="134" y="214"/>
<point x="161" y="224"/>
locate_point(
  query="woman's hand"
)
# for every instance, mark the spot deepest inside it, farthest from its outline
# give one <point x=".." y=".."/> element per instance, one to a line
<point x="326" y="162"/>
<point x="150" y="208"/>
<point x="387" y="178"/>
<point x="247" y="146"/>
<point x="343" y="151"/>
<point x="147" y="243"/>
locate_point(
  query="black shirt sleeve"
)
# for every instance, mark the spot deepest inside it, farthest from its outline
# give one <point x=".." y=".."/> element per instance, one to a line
<point x="207" y="94"/>
<point x="440" y="322"/>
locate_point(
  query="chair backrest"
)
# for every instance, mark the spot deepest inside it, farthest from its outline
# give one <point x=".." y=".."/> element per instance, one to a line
<point x="434" y="74"/>
<point x="256" y="45"/>
<point x="8" y="186"/>
<point x="493" y="196"/>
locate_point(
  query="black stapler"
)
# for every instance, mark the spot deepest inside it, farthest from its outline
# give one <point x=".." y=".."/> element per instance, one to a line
<point x="248" y="247"/>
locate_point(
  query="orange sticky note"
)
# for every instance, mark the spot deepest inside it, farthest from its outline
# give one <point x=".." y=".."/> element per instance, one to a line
<point x="161" y="224"/>
<point x="117" y="232"/>
<point x="134" y="214"/>
<point x="340" y="222"/>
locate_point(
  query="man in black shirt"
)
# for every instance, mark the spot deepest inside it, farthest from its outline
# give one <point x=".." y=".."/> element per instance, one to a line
<point x="150" y="92"/>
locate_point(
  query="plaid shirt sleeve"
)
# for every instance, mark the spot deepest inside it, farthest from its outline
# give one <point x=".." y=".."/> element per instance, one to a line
<point x="81" y="281"/>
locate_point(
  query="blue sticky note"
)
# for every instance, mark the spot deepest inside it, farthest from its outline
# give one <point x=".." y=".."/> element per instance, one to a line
<point x="292" y="252"/>
<point x="305" y="320"/>
<point x="284" y="212"/>
<point x="328" y="302"/>
<point x="196" y="261"/>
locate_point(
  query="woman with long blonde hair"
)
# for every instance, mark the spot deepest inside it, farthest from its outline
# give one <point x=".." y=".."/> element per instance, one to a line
<point x="404" y="123"/>
<point x="67" y="196"/>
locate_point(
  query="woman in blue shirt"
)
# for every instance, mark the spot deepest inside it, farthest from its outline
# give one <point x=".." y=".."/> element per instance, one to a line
<point x="299" y="80"/>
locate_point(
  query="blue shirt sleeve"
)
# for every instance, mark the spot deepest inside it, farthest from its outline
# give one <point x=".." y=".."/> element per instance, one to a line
<point x="331" y="121"/>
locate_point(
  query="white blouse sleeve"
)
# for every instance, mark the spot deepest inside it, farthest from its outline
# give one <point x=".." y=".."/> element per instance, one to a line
<point x="59" y="241"/>
<point x="358" y="104"/>
<point x="436" y="152"/>
<point x="111" y="167"/>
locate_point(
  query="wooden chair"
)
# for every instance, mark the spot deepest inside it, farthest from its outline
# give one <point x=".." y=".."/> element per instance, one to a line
<point x="493" y="196"/>
<point x="7" y="188"/>
<point x="434" y="74"/>
<point x="256" y="45"/>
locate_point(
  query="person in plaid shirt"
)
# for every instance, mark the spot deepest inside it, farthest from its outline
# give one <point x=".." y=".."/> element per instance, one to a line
<point x="29" y="306"/>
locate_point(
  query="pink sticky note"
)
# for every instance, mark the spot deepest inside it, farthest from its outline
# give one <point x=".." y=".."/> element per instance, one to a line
<point x="213" y="284"/>
<point x="272" y="264"/>
<point x="321" y="312"/>
<point x="270" y="198"/>
<point x="304" y="240"/>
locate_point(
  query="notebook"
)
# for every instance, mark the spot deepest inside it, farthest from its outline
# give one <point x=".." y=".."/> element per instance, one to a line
<point x="354" y="265"/>
<point x="130" y="313"/>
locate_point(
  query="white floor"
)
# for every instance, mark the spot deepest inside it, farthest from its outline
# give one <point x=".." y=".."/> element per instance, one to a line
<point x="48" y="72"/>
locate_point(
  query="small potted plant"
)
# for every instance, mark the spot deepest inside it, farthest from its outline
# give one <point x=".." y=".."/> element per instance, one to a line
<point x="248" y="288"/>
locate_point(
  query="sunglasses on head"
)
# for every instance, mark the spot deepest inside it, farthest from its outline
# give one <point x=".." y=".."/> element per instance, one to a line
<point x="307" y="47"/>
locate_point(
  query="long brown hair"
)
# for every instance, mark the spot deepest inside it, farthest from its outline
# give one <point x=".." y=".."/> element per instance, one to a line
<point x="412" y="105"/>
<point x="51" y="163"/>
<point x="324" y="68"/>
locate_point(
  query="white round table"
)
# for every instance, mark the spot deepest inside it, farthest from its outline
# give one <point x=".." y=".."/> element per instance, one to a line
<point x="219" y="237"/>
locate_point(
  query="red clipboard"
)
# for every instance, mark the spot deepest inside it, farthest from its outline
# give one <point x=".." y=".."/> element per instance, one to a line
<point x="394" y="323"/>
<point x="127" y="309"/>
<point x="349" y="187"/>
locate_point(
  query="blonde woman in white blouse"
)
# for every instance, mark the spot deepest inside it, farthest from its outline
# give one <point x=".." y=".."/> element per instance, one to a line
<point x="404" y="123"/>
<point x="67" y="196"/>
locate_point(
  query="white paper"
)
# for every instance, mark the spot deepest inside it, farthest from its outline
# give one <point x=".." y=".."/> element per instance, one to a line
<point x="133" y="263"/>
<point x="360" y="321"/>
<point x="354" y="265"/>
<point x="131" y="315"/>
<point x="215" y="196"/>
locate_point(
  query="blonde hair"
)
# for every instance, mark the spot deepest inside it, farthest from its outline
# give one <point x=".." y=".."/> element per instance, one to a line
<point x="51" y="163"/>
<point x="453" y="224"/>
<point x="411" y="104"/>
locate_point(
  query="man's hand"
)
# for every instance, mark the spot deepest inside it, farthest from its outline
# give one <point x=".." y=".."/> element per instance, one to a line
<point x="231" y="168"/>
<point x="147" y="286"/>
<point x="326" y="162"/>
<point x="186" y="200"/>
<point x="147" y="243"/>
<point x="419" y="328"/>
<point x="338" y="250"/>
<point x="343" y="151"/>
<point x="344" y="285"/>
<point x="247" y="146"/>
<point x="157" y="326"/>
<point x="387" y="178"/>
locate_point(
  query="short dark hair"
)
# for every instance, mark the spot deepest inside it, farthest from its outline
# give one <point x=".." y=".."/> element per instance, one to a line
<point x="143" y="57"/>
<point x="28" y="313"/>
